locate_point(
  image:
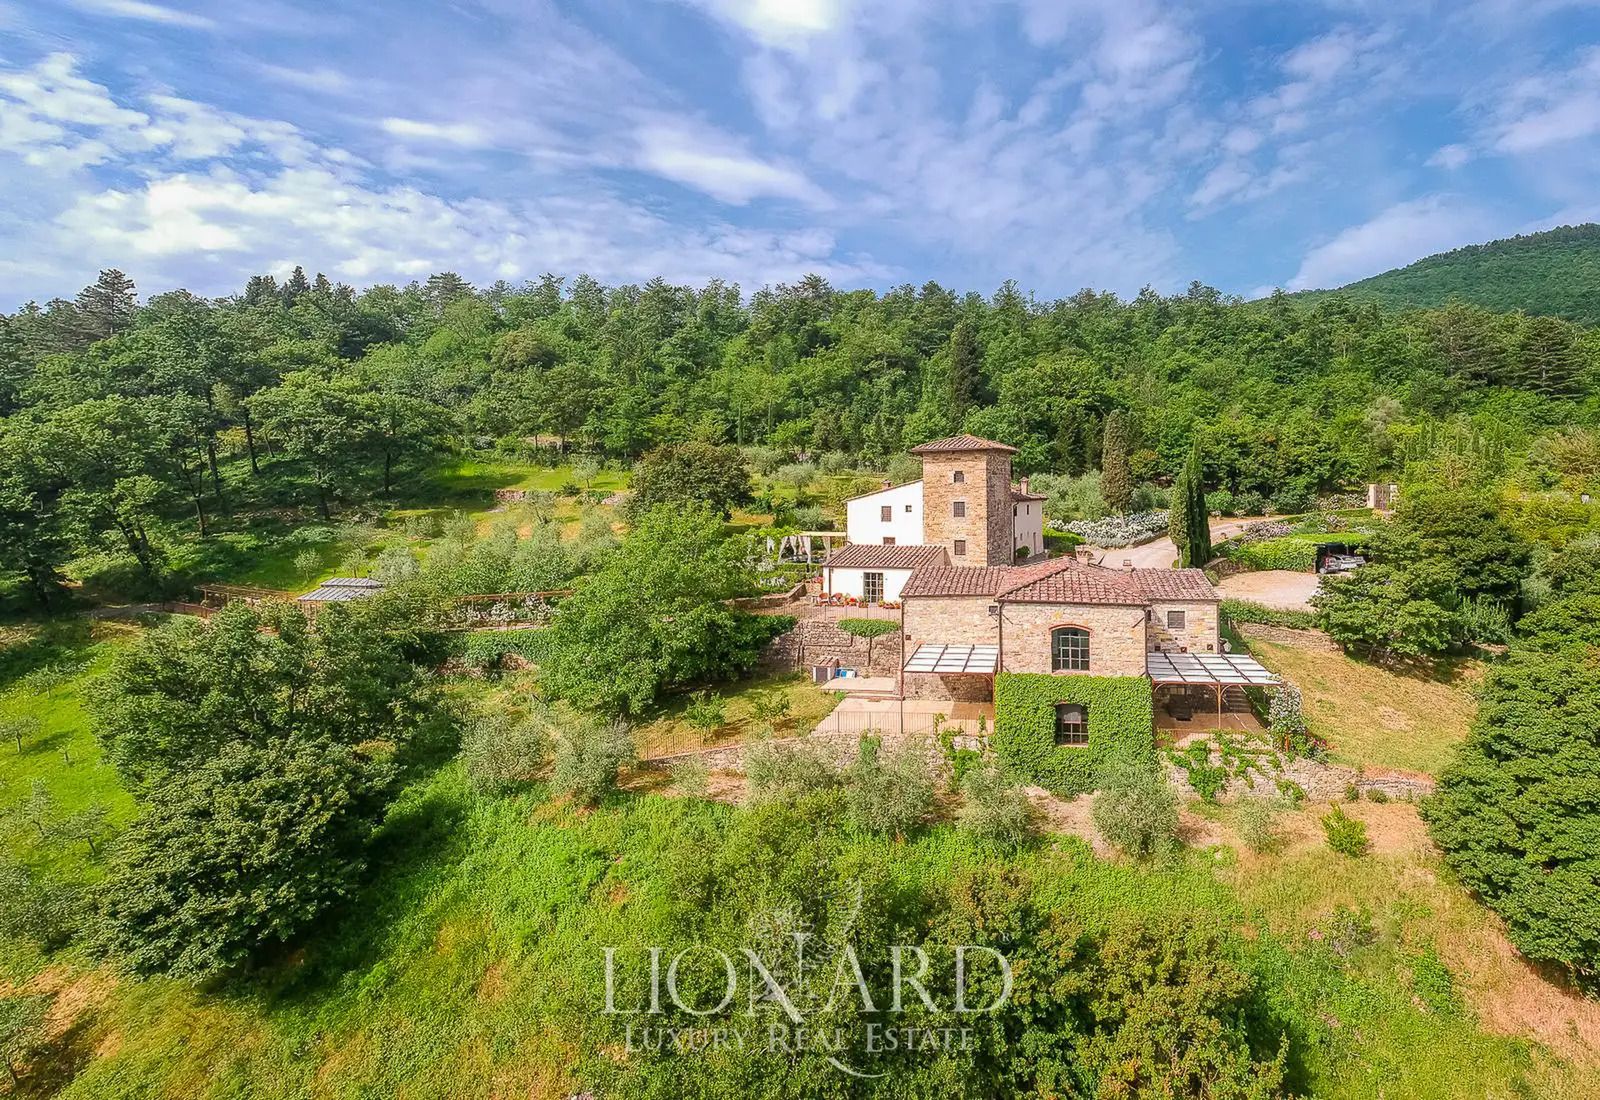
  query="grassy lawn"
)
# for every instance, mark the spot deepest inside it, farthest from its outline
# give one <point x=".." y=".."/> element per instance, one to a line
<point x="1375" y="716"/>
<point x="63" y="755"/>
<point x="1437" y="975"/>
<point x="671" y="732"/>
<point x="460" y="486"/>
<point x="467" y="967"/>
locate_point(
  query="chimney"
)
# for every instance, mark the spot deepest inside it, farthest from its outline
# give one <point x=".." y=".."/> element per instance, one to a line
<point x="1024" y="483"/>
<point x="887" y="484"/>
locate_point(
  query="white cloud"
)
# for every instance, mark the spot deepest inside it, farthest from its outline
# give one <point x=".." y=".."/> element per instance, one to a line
<point x="447" y="133"/>
<point x="146" y="12"/>
<point x="1450" y="157"/>
<point x="780" y="22"/>
<point x="214" y="196"/>
<point x="707" y="162"/>
<point x="1404" y="232"/>
<point x="1224" y="181"/>
<point x="322" y="80"/>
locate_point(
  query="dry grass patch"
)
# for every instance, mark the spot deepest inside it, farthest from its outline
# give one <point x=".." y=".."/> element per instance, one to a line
<point x="1376" y="717"/>
<point x="671" y="732"/>
<point x="1415" y="904"/>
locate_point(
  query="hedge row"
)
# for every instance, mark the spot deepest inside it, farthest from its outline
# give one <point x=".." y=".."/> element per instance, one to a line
<point x="1121" y="721"/>
<point x="1290" y="552"/>
<point x="1248" y="611"/>
<point x="487" y="650"/>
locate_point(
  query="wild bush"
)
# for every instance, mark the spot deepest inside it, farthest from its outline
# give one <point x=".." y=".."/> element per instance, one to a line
<point x="1257" y="822"/>
<point x="889" y="792"/>
<point x="1136" y="809"/>
<point x="589" y="753"/>
<point x="502" y="752"/>
<point x="775" y="772"/>
<point x="995" y="808"/>
<point x="1346" y="835"/>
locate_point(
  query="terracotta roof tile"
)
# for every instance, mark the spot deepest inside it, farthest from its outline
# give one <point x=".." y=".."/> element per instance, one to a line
<point x="1059" y="580"/>
<point x="1174" y="584"/>
<point x="866" y="555"/>
<point x="958" y="443"/>
<point x="951" y="580"/>
<point x="1067" y="580"/>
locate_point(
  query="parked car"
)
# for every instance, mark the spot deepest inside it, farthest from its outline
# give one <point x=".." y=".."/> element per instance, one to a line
<point x="1342" y="563"/>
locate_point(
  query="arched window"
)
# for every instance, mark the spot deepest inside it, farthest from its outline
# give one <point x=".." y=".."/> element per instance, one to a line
<point x="1069" y="649"/>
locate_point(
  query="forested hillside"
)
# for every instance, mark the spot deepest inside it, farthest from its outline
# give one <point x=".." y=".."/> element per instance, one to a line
<point x="1555" y="273"/>
<point x="119" y="416"/>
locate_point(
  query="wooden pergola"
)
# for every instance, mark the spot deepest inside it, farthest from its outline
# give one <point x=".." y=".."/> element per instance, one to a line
<point x="1216" y="671"/>
<point x="221" y="595"/>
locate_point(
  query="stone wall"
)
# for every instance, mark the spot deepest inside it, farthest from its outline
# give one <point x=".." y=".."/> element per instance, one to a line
<point x="1200" y="633"/>
<point x="817" y="641"/>
<point x="1116" y="637"/>
<point x="959" y="620"/>
<point x="1321" y="782"/>
<point x="839" y="749"/>
<point x="986" y="489"/>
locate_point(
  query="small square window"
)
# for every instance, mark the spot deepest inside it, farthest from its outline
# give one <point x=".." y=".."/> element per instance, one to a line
<point x="908" y="507"/>
<point x="958" y="477"/>
<point x="1072" y="724"/>
<point x="958" y="508"/>
<point x="1175" y="620"/>
<point x="888" y="540"/>
<point x="959" y="548"/>
<point x="886" y="513"/>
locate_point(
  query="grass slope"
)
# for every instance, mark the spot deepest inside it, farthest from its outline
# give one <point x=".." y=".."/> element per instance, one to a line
<point x="1556" y="273"/>
<point x="1374" y="716"/>
<point x="465" y="968"/>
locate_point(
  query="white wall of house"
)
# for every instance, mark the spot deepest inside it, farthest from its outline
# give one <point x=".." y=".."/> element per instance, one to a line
<point x="1028" y="523"/>
<point x="853" y="582"/>
<point x="864" y="516"/>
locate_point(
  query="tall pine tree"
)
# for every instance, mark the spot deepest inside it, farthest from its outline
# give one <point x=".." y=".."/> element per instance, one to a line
<point x="1116" y="479"/>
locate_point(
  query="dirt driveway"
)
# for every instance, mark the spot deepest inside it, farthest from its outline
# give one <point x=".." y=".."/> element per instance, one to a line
<point x="1279" y="588"/>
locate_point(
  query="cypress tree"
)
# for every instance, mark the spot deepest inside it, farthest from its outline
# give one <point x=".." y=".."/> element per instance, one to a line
<point x="1116" y="479"/>
<point x="965" y="370"/>
<point x="1188" y="523"/>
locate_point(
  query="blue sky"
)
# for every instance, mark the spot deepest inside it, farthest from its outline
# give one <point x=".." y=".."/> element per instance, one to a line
<point x="1063" y="143"/>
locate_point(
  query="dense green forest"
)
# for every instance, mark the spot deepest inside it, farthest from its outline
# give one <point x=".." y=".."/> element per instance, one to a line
<point x="1554" y="273"/>
<point x="119" y="417"/>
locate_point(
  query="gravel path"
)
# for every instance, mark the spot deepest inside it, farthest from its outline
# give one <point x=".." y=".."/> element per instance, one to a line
<point x="1162" y="554"/>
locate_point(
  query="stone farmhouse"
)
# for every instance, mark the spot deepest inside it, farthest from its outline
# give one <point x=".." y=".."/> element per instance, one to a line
<point x="962" y="552"/>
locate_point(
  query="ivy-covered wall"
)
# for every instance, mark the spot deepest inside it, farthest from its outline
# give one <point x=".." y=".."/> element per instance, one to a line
<point x="1121" y="720"/>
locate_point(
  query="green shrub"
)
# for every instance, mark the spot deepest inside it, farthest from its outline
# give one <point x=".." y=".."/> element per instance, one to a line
<point x="502" y="752"/>
<point x="36" y="908"/>
<point x="1289" y="552"/>
<point x="1433" y="983"/>
<point x="1136" y="810"/>
<point x="691" y="777"/>
<point x="1121" y="726"/>
<point x="776" y="773"/>
<point x="1346" y="835"/>
<point x="1248" y="611"/>
<point x="889" y="792"/>
<point x="868" y="628"/>
<point x="1208" y="779"/>
<point x="1514" y="812"/>
<point x="487" y="650"/>
<point x="589" y="752"/>
<point x="1257" y="822"/>
<point x="995" y="808"/>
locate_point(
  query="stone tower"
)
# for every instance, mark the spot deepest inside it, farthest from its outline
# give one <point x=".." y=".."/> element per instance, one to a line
<point x="966" y="499"/>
